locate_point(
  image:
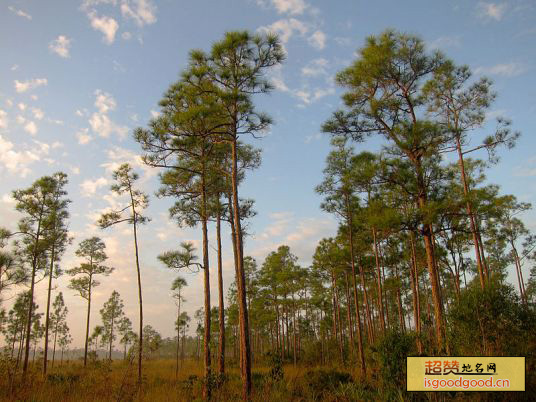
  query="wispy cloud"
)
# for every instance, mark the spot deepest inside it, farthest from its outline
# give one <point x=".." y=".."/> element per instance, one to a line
<point x="20" y="13"/>
<point x="285" y="28"/>
<point x="60" y="46"/>
<point x="89" y="187"/>
<point x="143" y="12"/>
<point x="318" y="40"/>
<point x="100" y="122"/>
<point x="23" y="86"/>
<point x="491" y="11"/>
<point x="445" y="42"/>
<point x="107" y="25"/>
<point x="17" y="159"/>
<point x="315" y="68"/>
<point x="505" y="69"/>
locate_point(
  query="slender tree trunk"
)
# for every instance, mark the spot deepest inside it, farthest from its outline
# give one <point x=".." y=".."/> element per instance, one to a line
<point x="470" y="213"/>
<point x="54" y="347"/>
<point x="337" y="314"/>
<point x="178" y="340"/>
<point x="221" y="310"/>
<point x="349" y="312"/>
<point x="241" y="279"/>
<point x="294" y="330"/>
<point x="519" y="273"/>
<point x="111" y="335"/>
<point x="399" y="302"/>
<point x="88" y="314"/>
<point x="140" y="299"/>
<point x="379" y="281"/>
<point x="206" y="274"/>
<point x="31" y="296"/>
<point x="47" y="319"/>
<point x="414" y="275"/>
<point x="368" y="314"/>
<point x="434" y="279"/>
<point x="235" y="256"/>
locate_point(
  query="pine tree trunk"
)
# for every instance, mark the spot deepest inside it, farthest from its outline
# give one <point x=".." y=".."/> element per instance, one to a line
<point x="414" y="274"/>
<point x="88" y="313"/>
<point x="54" y="348"/>
<point x="379" y="281"/>
<point x="206" y="275"/>
<point x="31" y="296"/>
<point x="221" y="310"/>
<point x="349" y="312"/>
<point x="47" y="319"/>
<point x="241" y="279"/>
<point x="178" y="341"/>
<point x="470" y="213"/>
<point x="140" y="299"/>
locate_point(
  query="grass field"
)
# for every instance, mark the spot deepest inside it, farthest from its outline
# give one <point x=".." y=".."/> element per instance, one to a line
<point x="117" y="381"/>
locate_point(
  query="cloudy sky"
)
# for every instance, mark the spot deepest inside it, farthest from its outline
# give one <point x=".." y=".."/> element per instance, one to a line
<point x="77" y="76"/>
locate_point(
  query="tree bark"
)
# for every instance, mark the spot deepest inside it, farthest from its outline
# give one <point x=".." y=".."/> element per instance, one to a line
<point x="221" y="309"/>
<point x="88" y="313"/>
<point x="47" y="319"/>
<point x="242" y="303"/>
<point x="31" y="296"/>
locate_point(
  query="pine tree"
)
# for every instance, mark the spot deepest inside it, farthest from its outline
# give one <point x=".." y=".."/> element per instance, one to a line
<point x="125" y="180"/>
<point x="92" y="250"/>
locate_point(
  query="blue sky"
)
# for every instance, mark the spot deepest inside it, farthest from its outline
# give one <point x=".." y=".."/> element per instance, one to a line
<point x="76" y="77"/>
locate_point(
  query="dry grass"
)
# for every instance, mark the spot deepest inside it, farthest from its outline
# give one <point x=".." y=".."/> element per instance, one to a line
<point x="118" y="382"/>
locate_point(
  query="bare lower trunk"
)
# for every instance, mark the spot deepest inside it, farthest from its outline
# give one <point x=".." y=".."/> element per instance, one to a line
<point x="47" y="319"/>
<point x="379" y="281"/>
<point x="241" y="285"/>
<point x="414" y="274"/>
<point x="221" y="307"/>
<point x="206" y="276"/>
<point x="470" y="214"/>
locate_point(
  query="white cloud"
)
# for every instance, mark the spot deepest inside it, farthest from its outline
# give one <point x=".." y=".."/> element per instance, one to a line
<point x="505" y="69"/>
<point x="90" y="187"/>
<point x="342" y="40"/>
<point x="83" y="136"/>
<point x="99" y="121"/>
<point x="318" y="40"/>
<point x="107" y="25"/>
<point x="103" y="126"/>
<point x="9" y="102"/>
<point x="155" y="114"/>
<point x="31" y="128"/>
<point x="276" y="78"/>
<point x="15" y="160"/>
<point x="285" y="28"/>
<point x="3" y="119"/>
<point x="310" y="138"/>
<point x="21" y="106"/>
<point x="445" y="42"/>
<point x="315" y="67"/>
<point x="141" y="11"/>
<point x="289" y="6"/>
<point x="14" y="67"/>
<point x="38" y="113"/>
<point x="23" y="86"/>
<point x="493" y="11"/>
<point x="20" y="13"/>
<point x="104" y="102"/>
<point x="60" y="46"/>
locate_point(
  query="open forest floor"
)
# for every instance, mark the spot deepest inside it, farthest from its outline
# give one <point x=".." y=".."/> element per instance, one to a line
<point x="102" y="381"/>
